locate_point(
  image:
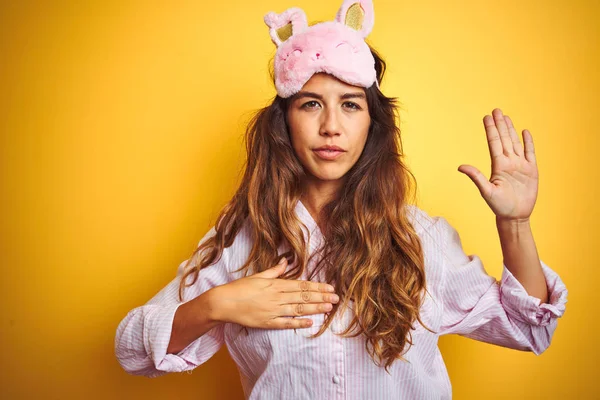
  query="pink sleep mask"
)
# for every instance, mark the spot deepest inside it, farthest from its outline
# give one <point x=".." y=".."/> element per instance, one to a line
<point x="335" y="47"/>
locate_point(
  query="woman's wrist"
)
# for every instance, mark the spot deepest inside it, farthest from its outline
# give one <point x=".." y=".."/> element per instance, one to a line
<point x="210" y="305"/>
<point x="214" y="306"/>
<point x="192" y="320"/>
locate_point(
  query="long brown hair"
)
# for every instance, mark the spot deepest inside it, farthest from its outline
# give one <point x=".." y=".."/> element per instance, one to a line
<point x="372" y="254"/>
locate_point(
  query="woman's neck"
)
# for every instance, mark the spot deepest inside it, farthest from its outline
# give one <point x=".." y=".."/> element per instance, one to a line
<point x="316" y="194"/>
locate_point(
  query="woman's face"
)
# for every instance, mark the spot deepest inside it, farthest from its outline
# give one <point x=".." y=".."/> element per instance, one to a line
<point x="330" y="112"/>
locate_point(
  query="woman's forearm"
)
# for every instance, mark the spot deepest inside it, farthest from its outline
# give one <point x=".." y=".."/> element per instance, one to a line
<point x="521" y="257"/>
<point x="192" y="320"/>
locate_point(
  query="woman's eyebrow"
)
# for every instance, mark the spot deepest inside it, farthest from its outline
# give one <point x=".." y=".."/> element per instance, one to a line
<point x="354" y="95"/>
<point x="303" y="94"/>
<point x="345" y="96"/>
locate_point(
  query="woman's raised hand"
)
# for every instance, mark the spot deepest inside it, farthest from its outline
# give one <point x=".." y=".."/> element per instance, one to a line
<point x="264" y="301"/>
<point x="511" y="191"/>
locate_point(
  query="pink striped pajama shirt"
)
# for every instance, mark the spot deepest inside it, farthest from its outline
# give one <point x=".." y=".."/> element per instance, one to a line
<point x="286" y="364"/>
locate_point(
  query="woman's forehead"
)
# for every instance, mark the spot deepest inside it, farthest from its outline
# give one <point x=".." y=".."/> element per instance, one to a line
<point x="328" y="85"/>
<point x="322" y="79"/>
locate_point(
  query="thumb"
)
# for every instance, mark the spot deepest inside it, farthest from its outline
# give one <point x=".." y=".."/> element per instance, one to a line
<point x="275" y="271"/>
<point x="477" y="177"/>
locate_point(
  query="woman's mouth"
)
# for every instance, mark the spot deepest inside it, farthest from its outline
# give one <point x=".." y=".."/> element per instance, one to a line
<point x="328" y="154"/>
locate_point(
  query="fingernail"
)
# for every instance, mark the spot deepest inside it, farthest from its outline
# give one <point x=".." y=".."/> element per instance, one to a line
<point x="281" y="261"/>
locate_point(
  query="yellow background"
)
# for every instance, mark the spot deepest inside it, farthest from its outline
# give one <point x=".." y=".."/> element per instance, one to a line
<point x="121" y="137"/>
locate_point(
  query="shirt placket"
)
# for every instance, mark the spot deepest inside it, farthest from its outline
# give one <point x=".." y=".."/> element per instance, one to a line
<point x="338" y="378"/>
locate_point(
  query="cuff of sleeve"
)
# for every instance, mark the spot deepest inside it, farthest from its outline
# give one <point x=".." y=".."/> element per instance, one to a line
<point x="529" y="309"/>
<point x="158" y="325"/>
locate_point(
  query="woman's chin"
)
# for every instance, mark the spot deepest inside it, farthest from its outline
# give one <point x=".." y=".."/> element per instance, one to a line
<point x="327" y="175"/>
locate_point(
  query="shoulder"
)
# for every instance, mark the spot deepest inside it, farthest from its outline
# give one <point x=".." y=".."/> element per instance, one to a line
<point x="434" y="231"/>
<point x="440" y="239"/>
<point x="242" y="237"/>
<point x="422" y="221"/>
<point x="234" y="256"/>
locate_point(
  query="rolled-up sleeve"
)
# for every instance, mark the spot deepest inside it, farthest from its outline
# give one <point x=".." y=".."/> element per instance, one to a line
<point x="144" y="334"/>
<point x="478" y="306"/>
<point x="529" y="309"/>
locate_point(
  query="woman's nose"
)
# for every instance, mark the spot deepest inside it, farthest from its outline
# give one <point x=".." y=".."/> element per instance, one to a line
<point x="330" y="124"/>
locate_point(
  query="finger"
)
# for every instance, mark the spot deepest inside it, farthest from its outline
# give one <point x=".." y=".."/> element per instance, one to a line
<point x="308" y="297"/>
<point x="299" y="309"/>
<point x="493" y="137"/>
<point x="503" y="132"/>
<point x="517" y="146"/>
<point x="482" y="183"/>
<point x="275" y="271"/>
<point x="290" y="323"/>
<point x="529" y="148"/>
<point x="302" y="286"/>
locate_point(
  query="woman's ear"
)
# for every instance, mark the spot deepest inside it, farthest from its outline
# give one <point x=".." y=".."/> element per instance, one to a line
<point x="285" y="25"/>
<point x="358" y="15"/>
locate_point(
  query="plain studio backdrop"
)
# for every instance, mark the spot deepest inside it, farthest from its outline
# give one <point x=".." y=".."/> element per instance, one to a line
<point x="121" y="138"/>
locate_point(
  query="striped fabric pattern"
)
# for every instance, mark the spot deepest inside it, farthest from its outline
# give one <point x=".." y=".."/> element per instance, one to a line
<point x="287" y="364"/>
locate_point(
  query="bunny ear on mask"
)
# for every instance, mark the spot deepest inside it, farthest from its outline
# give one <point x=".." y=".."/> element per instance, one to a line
<point x="358" y="15"/>
<point x="282" y="26"/>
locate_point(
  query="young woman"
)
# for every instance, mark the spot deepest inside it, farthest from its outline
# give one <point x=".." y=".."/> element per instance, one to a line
<point x="367" y="282"/>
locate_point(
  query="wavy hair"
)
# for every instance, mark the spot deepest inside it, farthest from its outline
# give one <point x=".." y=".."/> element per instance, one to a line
<point x="371" y="255"/>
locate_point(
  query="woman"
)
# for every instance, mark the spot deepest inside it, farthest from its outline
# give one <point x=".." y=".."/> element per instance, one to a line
<point x="367" y="282"/>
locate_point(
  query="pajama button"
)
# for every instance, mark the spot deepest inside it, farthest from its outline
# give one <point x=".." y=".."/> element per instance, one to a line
<point x="336" y="379"/>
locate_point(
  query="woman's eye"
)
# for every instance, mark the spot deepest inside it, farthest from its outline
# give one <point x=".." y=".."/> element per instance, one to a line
<point x="314" y="104"/>
<point x="310" y="104"/>
<point x="353" y="105"/>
